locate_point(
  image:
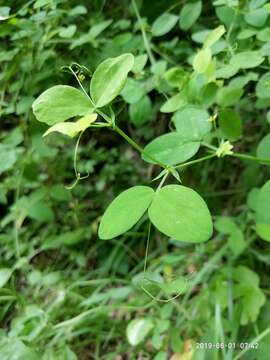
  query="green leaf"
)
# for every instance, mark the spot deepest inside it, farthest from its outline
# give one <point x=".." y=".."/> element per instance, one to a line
<point x="248" y="292"/>
<point x="246" y="276"/>
<point x="225" y="225"/>
<point x="256" y="17"/>
<point x="133" y="91"/>
<point x="264" y="35"/>
<point x="202" y="60"/>
<point x="246" y="34"/>
<point x="174" y="103"/>
<point x="227" y="71"/>
<point x="125" y="211"/>
<point x="171" y="149"/>
<point x="263" y="86"/>
<point x="192" y="122"/>
<point x="98" y="28"/>
<point x="59" y="103"/>
<point x="246" y="59"/>
<point x="71" y="129"/>
<point x="67" y="32"/>
<point x="229" y="95"/>
<point x="109" y="79"/>
<point x="263" y="149"/>
<point x="243" y="80"/>
<point x="263" y="231"/>
<point x="230" y="125"/>
<point x="180" y="213"/>
<point x="8" y="157"/>
<point x="161" y="355"/>
<point x="141" y="112"/>
<point x="163" y="24"/>
<point x="139" y="63"/>
<point x="214" y="36"/>
<point x="159" y="67"/>
<point x="175" y="76"/>
<point x="189" y="13"/>
<point x="41" y="211"/>
<point x="255" y="4"/>
<point x="91" y="35"/>
<point x="5" y="275"/>
<point x="252" y="302"/>
<point x="252" y="198"/>
<point x="236" y="241"/>
<point x="150" y="281"/>
<point x="138" y="329"/>
<point x="209" y="94"/>
<point x="227" y="15"/>
<point x="175" y="340"/>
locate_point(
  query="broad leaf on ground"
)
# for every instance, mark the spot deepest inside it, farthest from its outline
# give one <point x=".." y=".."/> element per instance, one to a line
<point x="138" y="329"/>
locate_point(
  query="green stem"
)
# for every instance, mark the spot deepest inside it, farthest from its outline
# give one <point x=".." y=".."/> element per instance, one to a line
<point x="78" y="176"/>
<point x="209" y="146"/>
<point x="251" y="158"/>
<point x="147" y="249"/>
<point x="195" y="161"/>
<point x="105" y="117"/>
<point x="138" y="147"/>
<point x="163" y="180"/>
<point x="145" y="39"/>
<point x="75" y="154"/>
<point x="81" y="86"/>
<point x="254" y="341"/>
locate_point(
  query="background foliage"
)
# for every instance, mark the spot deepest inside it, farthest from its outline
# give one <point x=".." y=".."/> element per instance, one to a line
<point x="64" y="293"/>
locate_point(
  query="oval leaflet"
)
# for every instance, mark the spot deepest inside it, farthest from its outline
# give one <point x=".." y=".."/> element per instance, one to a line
<point x="181" y="213"/>
<point x="125" y="211"/>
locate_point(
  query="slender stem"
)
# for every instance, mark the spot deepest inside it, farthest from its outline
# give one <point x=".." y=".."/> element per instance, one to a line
<point x="195" y="161"/>
<point x="145" y="39"/>
<point x="147" y="248"/>
<point x="80" y="84"/>
<point x="105" y="117"/>
<point x="254" y="341"/>
<point x="251" y="158"/>
<point x="138" y="147"/>
<point x="209" y="146"/>
<point x="78" y="176"/>
<point x="163" y="180"/>
<point x="165" y="56"/>
<point x="75" y="155"/>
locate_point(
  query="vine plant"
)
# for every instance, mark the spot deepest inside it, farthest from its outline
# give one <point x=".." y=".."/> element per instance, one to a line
<point x="175" y="210"/>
